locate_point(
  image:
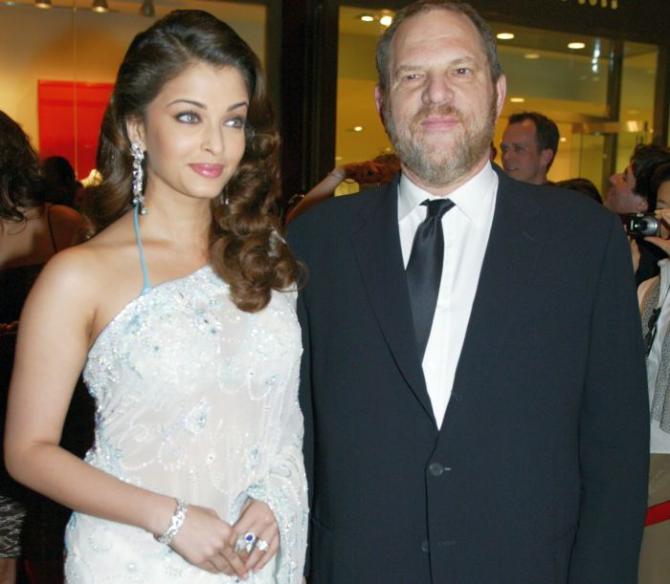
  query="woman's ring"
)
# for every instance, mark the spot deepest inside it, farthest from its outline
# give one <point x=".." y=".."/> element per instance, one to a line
<point x="246" y="542"/>
<point x="262" y="545"/>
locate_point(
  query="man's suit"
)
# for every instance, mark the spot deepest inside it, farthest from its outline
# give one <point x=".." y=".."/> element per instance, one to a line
<point x="538" y="474"/>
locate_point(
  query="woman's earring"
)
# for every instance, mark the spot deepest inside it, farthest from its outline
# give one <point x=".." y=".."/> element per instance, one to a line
<point x="138" y="177"/>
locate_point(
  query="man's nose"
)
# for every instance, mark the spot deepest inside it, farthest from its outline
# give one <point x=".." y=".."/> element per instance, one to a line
<point x="438" y="90"/>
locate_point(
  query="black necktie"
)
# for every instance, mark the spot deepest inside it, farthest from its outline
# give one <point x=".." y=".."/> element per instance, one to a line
<point x="424" y="269"/>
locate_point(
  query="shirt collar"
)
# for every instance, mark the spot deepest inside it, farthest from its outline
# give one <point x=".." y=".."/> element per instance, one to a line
<point x="471" y="197"/>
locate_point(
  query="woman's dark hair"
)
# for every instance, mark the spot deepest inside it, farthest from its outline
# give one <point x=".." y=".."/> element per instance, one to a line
<point x="661" y="175"/>
<point x="250" y="255"/>
<point x="20" y="182"/>
<point x="644" y="161"/>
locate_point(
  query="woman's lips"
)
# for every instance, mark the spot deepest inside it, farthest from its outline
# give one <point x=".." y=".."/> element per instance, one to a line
<point x="208" y="170"/>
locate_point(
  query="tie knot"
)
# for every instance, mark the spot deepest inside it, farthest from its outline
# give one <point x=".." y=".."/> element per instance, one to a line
<point x="437" y="207"/>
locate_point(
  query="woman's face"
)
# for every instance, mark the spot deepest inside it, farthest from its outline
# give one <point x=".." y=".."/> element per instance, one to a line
<point x="663" y="204"/>
<point x="193" y="133"/>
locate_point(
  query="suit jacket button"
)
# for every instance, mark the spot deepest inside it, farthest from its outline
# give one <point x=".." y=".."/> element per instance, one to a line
<point x="436" y="469"/>
<point x="425" y="546"/>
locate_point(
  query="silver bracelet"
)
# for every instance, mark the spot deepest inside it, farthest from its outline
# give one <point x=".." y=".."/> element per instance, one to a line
<point x="176" y="521"/>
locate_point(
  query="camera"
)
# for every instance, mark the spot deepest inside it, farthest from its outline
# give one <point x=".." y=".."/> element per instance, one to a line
<point x="642" y="225"/>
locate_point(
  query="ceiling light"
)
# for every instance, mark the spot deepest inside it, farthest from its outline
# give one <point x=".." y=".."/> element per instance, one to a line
<point x="148" y="8"/>
<point x="531" y="56"/>
<point x="367" y="18"/>
<point x="563" y="139"/>
<point x="100" y="6"/>
<point x="43" y="3"/>
<point x="357" y="128"/>
<point x="517" y="99"/>
<point x="505" y="36"/>
<point x="386" y="20"/>
<point x="576" y="45"/>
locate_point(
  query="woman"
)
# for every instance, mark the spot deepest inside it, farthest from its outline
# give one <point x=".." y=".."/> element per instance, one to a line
<point x="31" y="231"/>
<point x="654" y="295"/>
<point x="182" y="313"/>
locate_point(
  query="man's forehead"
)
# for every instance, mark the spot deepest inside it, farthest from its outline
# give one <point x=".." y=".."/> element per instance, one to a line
<point x="520" y="131"/>
<point x="438" y="27"/>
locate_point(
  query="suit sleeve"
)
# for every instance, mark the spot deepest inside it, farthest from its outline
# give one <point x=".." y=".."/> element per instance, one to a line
<point x="305" y="387"/>
<point x="613" y="429"/>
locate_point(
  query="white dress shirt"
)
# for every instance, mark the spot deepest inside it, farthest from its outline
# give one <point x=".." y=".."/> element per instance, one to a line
<point x="466" y="230"/>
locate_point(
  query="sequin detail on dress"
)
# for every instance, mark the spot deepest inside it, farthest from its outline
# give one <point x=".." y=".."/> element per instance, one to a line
<point x="195" y="399"/>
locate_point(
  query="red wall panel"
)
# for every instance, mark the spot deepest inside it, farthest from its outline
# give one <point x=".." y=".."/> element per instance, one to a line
<point x="70" y="114"/>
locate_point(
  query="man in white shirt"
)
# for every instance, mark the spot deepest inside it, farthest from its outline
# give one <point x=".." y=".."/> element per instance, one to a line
<point x="473" y="375"/>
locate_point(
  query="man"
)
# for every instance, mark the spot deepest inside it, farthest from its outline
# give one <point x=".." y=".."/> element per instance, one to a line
<point x="529" y="146"/>
<point x="631" y="192"/>
<point x="506" y="441"/>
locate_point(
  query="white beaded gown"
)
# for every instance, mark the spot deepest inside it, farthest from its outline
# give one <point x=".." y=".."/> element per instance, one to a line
<point x="195" y="399"/>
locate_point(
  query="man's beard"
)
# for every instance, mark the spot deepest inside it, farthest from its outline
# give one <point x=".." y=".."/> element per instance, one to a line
<point x="437" y="166"/>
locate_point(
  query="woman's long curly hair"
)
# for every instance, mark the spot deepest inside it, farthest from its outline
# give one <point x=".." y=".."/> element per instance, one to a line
<point x="20" y="181"/>
<point x="251" y="256"/>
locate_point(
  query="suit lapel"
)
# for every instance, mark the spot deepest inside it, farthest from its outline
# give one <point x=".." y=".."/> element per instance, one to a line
<point x="376" y="242"/>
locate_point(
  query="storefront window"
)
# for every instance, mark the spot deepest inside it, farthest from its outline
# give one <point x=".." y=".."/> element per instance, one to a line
<point x="637" y="99"/>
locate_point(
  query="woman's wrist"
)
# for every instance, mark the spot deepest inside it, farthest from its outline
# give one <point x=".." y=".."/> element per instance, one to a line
<point x="176" y="521"/>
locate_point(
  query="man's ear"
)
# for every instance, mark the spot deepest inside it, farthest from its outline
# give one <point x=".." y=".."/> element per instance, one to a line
<point x="135" y="131"/>
<point x="546" y="156"/>
<point x="380" y="103"/>
<point x="641" y="204"/>
<point x="501" y="94"/>
<point x="379" y="99"/>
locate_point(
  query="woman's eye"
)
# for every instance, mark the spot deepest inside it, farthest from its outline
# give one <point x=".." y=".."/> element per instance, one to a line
<point x="188" y="117"/>
<point x="237" y="122"/>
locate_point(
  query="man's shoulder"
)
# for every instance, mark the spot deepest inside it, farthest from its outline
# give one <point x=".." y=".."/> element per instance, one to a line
<point x="557" y="206"/>
<point x="337" y="215"/>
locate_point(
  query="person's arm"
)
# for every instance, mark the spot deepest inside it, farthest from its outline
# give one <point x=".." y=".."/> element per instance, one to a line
<point x="613" y="429"/>
<point x="54" y="338"/>
<point x="320" y="192"/>
<point x="284" y="491"/>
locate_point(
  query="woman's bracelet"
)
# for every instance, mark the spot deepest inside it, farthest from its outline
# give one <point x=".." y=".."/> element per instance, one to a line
<point x="176" y="521"/>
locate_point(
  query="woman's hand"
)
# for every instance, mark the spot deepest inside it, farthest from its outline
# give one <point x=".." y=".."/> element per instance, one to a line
<point x="664" y="244"/>
<point x="206" y="541"/>
<point x="258" y="518"/>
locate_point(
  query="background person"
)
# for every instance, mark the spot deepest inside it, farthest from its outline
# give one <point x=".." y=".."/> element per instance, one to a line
<point x="631" y="192"/>
<point x="529" y="146"/>
<point x="368" y="174"/>
<point x="31" y="231"/>
<point x="180" y="311"/>
<point x="654" y="300"/>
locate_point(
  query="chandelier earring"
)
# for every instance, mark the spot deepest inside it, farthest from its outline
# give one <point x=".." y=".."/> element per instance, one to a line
<point x="138" y="177"/>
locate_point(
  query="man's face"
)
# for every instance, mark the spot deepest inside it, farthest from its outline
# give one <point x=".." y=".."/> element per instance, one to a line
<point x="441" y="105"/>
<point x="521" y="155"/>
<point x="622" y="198"/>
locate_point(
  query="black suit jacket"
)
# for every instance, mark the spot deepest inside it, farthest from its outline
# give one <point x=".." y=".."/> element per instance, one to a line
<point x="539" y="473"/>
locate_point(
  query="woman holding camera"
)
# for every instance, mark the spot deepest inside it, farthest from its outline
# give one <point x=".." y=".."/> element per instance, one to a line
<point x="654" y="297"/>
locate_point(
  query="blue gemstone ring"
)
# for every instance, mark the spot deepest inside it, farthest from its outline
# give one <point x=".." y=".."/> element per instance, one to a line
<point x="246" y="542"/>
